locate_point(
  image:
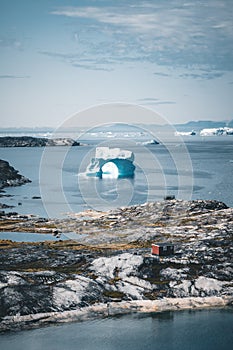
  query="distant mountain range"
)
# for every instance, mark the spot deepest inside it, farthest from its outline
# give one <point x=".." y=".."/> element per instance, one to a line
<point x="203" y="124"/>
<point x="189" y="126"/>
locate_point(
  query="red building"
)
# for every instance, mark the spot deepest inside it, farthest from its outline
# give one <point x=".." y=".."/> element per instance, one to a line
<point x="162" y="249"/>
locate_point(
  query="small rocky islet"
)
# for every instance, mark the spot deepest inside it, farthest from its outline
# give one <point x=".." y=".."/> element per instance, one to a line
<point x="108" y="268"/>
<point x="30" y="141"/>
<point x="9" y="176"/>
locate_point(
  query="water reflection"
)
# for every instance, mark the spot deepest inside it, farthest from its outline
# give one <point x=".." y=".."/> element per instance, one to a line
<point x="181" y="330"/>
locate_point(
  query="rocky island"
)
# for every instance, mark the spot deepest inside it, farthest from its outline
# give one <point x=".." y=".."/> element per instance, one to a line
<point x="106" y="267"/>
<point x="29" y="141"/>
<point x="10" y="176"/>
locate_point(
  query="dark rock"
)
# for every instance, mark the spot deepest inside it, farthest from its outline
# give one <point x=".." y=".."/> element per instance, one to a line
<point x="169" y="197"/>
<point x="10" y="176"/>
<point x="202" y="205"/>
<point x="29" y="141"/>
<point x="5" y="206"/>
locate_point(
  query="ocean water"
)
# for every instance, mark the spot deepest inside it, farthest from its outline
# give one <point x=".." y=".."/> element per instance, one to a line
<point x="198" y="169"/>
<point x="182" y="330"/>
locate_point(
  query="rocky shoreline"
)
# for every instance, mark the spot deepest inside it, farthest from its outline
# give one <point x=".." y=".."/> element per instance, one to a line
<point x="10" y="176"/>
<point x="105" y="267"/>
<point x="113" y="309"/>
<point x="29" y="141"/>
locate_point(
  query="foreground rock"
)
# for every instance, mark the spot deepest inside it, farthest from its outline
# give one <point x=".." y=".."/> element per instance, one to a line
<point x="9" y="176"/>
<point x="29" y="141"/>
<point x="108" y="268"/>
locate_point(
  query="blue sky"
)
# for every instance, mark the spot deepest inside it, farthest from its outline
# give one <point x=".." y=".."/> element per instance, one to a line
<point x="58" y="57"/>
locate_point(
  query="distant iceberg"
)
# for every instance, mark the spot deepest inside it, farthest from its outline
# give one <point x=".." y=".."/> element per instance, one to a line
<point x="111" y="163"/>
<point x="149" y="142"/>
<point x="216" y="131"/>
<point x="185" y="133"/>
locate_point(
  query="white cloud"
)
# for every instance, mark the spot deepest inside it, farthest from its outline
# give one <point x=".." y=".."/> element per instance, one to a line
<point x="161" y="21"/>
<point x="168" y="33"/>
<point x="166" y="19"/>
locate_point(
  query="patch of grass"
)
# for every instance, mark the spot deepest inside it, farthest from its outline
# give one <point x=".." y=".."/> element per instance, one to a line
<point x="45" y="225"/>
<point x="187" y="220"/>
<point x="114" y="280"/>
<point x="92" y="275"/>
<point x="152" y="295"/>
<point x="155" y="224"/>
<point x="157" y="281"/>
<point x="113" y="294"/>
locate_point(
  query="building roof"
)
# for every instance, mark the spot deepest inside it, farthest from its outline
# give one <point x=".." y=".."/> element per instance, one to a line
<point x="163" y="244"/>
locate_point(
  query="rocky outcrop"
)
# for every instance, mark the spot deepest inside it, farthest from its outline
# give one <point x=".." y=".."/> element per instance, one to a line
<point x="29" y="141"/>
<point x="108" y="269"/>
<point x="9" y="176"/>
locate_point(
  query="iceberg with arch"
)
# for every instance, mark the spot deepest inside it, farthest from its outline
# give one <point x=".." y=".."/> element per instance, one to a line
<point x="111" y="163"/>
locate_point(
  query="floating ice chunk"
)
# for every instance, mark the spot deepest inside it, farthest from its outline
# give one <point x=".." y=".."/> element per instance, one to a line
<point x="107" y="153"/>
<point x="216" y="131"/>
<point x="185" y="133"/>
<point x="149" y="142"/>
<point x="111" y="163"/>
<point x="229" y="131"/>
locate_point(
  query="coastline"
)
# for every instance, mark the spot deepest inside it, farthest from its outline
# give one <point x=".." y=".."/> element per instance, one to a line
<point x="111" y="309"/>
<point x="30" y="141"/>
<point x="109" y="270"/>
<point x="9" y="176"/>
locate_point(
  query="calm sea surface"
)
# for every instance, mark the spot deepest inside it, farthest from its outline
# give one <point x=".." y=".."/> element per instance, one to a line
<point x="202" y="170"/>
<point x="199" y="330"/>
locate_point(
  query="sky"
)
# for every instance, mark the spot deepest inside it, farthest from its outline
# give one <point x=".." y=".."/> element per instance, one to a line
<point x="59" y="57"/>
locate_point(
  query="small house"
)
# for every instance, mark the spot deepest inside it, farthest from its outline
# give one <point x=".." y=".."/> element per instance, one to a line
<point x="162" y="249"/>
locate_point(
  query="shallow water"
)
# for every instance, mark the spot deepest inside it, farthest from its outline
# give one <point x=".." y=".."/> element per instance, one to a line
<point x="183" y="330"/>
<point x="30" y="237"/>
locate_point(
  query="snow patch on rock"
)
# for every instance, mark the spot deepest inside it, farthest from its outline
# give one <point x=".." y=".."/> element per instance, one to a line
<point x="132" y="291"/>
<point x="208" y="284"/>
<point x="174" y="274"/>
<point x="201" y="287"/>
<point x="10" y="278"/>
<point x="70" y="292"/>
<point x="124" y="263"/>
